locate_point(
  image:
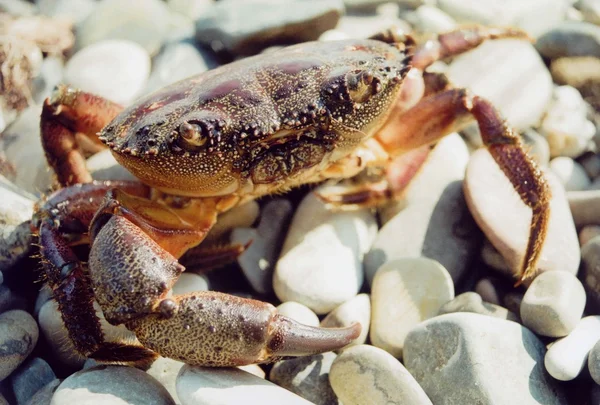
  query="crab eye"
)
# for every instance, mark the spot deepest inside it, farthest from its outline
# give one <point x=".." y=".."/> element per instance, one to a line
<point x="193" y="134"/>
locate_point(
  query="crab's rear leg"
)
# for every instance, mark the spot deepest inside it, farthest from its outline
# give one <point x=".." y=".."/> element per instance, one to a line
<point x="69" y="124"/>
<point x="133" y="264"/>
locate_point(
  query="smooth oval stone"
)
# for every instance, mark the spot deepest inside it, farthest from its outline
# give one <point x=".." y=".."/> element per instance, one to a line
<point x="321" y="260"/>
<point x="570" y="173"/>
<point x="594" y="362"/>
<point x="404" y="293"/>
<point x="104" y="166"/>
<point x="44" y="395"/>
<point x="590" y="273"/>
<point x="553" y="304"/>
<point x="466" y="358"/>
<point x="587" y="233"/>
<point x="145" y="22"/>
<point x="510" y="74"/>
<point x="243" y="28"/>
<point x="254" y="369"/>
<point x="489" y="290"/>
<point x="505" y="219"/>
<point x="355" y="310"/>
<point x="581" y="72"/>
<point x="114" y="385"/>
<point x="584" y="207"/>
<point x="307" y="376"/>
<point x="432" y="219"/>
<point x="591" y="161"/>
<point x="15" y="233"/>
<point x="429" y="19"/>
<point x="241" y="216"/>
<point x="298" y="312"/>
<point x="190" y="282"/>
<point x="567" y="356"/>
<point x="115" y="69"/>
<point x="30" y="377"/>
<point x="73" y="10"/>
<point x="18" y="336"/>
<point x="229" y="386"/>
<point x="365" y="374"/>
<point x="571" y="38"/>
<point x="165" y="371"/>
<point x="472" y="302"/>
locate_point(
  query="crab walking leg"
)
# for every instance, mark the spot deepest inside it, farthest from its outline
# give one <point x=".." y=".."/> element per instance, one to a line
<point x="69" y="124"/>
<point x="131" y="275"/>
<point x="455" y="42"/>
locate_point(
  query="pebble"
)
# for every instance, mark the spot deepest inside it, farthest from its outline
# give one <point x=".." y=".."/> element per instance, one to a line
<point x="553" y="304"/>
<point x="584" y="207"/>
<point x="165" y="371"/>
<point x="587" y="233"/>
<point x="51" y="74"/>
<point x="241" y="216"/>
<point x="244" y="28"/>
<point x="539" y="149"/>
<point x="18" y="8"/>
<point x="230" y="386"/>
<point x="307" y="377"/>
<point x="15" y="233"/>
<point x="509" y="73"/>
<point x="258" y="260"/>
<point x="254" y="369"/>
<point x="192" y="9"/>
<point x="591" y="164"/>
<point x="72" y="10"/>
<point x="320" y="264"/>
<point x="581" y="72"/>
<point x="590" y="10"/>
<point x="364" y="26"/>
<point x="298" y="312"/>
<point x="567" y="357"/>
<point x="571" y="174"/>
<point x="472" y="302"/>
<point x="565" y="125"/>
<point x="404" y="293"/>
<point x="176" y="61"/>
<point x="18" y="336"/>
<point x="355" y="310"/>
<point x="104" y="166"/>
<point x="594" y="362"/>
<point x="430" y="20"/>
<point x="116" y="69"/>
<point x="533" y="16"/>
<point x="570" y="38"/>
<point x="118" y="385"/>
<point x="432" y="219"/>
<point x="28" y="379"/>
<point x="44" y="395"/>
<point x="590" y="273"/>
<point x="489" y="291"/>
<point x="466" y="358"/>
<point x="505" y="219"/>
<point x="368" y="375"/>
<point x="190" y="282"/>
<point x="145" y="22"/>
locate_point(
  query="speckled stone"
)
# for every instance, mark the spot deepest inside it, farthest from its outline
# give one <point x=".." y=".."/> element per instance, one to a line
<point x="505" y="219"/>
<point x="18" y="336"/>
<point x="230" y="386"/>
<point x="165" y="371"/>
<point x="594" y="362"/>
<point x="114" y="385"/>
<point x="553" y="304"/>
<point x="567" y="357"/>
<point x="404" y="293"/>
<point x="472" y="302"/>
<point x="320" y="264"/>
<point x="298" y="312"/>
<point x="466" y="358"/>
<point x="368" y="375"/>
<point x="30" y="377"/>
<point x="355" y="310"/>
<point x="307" y="377"/>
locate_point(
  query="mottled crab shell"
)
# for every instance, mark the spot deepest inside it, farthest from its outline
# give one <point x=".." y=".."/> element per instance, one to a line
<point x="270" y="119"/>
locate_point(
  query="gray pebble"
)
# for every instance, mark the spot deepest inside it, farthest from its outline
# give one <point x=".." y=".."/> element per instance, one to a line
<point x="165" y="371"/>
<point x="364" y="374"/>
<point x="590" y="273"/>
<point x="18" y="336"/>
<point x="429" y="19"/>
<point x="44" y="395"/>
<point x="245" y="28"/>
<point x="571" y="38"/>
<point x="584" y="207"/>
<point x="472" y="302"/>
<point x="553" y="304"/>
<point x="587" y="233"/>
<point x="466" y="358"/>
<point x="355" y="310"/>
<point x="111" y="385"/>
<point x="29" y="378"/>
<point x="590" y="10"/>
<point x="594" y="362"/>
<point x="571" y="174"/>
<point x="488" y="290"/>
<point x="307" y="377"/>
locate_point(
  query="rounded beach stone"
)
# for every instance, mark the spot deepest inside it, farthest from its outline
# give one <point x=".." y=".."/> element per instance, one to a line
<point x="571" y="38"/>
<point x="190" y="282"/>
<point x="115" y="69"/>
<point x="571" y="174"/>
<point x="230" y="386"/>
<point x="321" y="260"/>
<point x="590" y="273"/>
<point x="472" y="302"/>
<point x="587" y="233"/>
<point x="466" y="358"/>
<point x="298" y="312"/>
<point x="355" y="310"/>
<point x="18" y="336"/>
<point x="594" y="362"/>
<point x="44" y="395"/>
<point x="306" y="376"/>
<point x="32" y="376"/>
<point x="15" y="232"/>
<point x="567" y="356"/>
<point x="404" y="293"/>
<point x="365" y="374"/>
<point x="584" y="207"/>
<point x="115" y="385"/>
<point x="165" y="371"/>
<point x="553" y="304"/>
<point x="506" y="220"/>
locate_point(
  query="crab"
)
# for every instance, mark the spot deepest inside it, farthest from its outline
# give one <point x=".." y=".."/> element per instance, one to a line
<point x="265" y="124"/>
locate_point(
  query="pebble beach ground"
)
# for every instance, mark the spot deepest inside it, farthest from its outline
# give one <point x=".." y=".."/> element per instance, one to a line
<point x="430" y="278"/>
